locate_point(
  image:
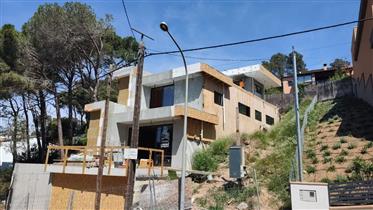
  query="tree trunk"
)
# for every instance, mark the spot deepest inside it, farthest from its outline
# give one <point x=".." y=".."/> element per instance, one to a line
<point x="59" y="122"/>
<point x="15" y="111"/>
<point x="37" y="132"/>
<point x="70" y="110"/>
<point x="95" y="91"/>
<point x="43" y="117"/>
<point x="25" y="111"/>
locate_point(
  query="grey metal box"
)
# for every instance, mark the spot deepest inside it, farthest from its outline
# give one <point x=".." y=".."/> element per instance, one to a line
<point x="235" y="157"/>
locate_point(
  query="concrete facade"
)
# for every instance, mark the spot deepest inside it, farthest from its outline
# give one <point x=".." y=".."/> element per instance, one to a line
<point x="206" y="119"/>
<point x="362" y="53"/>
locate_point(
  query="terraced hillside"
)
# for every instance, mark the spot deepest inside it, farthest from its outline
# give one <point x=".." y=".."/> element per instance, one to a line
<point x="339" y="141"/>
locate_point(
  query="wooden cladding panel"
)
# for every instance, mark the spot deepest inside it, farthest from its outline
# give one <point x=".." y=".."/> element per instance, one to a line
<point x="77" y="191"/>
<point x="123" y="91"/>
<point x="196" y="114"/>
<point x="94" y="127"/>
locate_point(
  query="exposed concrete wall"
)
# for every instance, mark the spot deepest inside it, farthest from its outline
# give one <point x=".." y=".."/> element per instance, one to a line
<point x="31" y="187"/>
<point x="78" y="191"/>
<point x="192" y="146"/>
<point x="195" y="99"/>
<point x="363" y="66"/>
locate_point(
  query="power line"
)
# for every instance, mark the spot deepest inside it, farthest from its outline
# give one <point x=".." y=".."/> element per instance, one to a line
<point x="265" y="38"/>
<point x="213" y="59"/>
<point x="128" y="19"/>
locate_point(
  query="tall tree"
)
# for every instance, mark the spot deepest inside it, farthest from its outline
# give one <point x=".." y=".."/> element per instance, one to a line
<point x="301" y="65"/>
<point x="277" y="65"/>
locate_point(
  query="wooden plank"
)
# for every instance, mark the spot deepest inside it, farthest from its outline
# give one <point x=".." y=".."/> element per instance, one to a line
<point x="197" y="114"/>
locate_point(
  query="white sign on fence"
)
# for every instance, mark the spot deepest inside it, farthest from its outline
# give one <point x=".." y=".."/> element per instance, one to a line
<point x="130" y="153"/>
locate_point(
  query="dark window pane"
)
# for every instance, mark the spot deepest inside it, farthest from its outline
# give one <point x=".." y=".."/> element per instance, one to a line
<point x="258" y="115"/>
<point x="168" y="96"/>
<point x="218" y="98"/>
<point x="269" y="120"/>
<point x="243" y="109"/>
<point x="162" y="96"/>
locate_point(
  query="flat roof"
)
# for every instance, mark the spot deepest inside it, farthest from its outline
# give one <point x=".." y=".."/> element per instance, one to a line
<point x="258" y="72"/>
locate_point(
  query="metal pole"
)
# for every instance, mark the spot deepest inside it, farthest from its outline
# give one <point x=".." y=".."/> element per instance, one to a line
<point x="184" y="140"/>
<point x="135" y="128"/>
<point x="296" y="107"/>
<point x="103" y="141"/>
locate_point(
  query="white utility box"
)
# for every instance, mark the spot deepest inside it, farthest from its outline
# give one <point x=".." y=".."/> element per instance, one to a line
<point x="309" y="196"/>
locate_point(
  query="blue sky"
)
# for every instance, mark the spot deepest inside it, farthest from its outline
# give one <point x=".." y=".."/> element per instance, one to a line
<point x="202" y="23"/>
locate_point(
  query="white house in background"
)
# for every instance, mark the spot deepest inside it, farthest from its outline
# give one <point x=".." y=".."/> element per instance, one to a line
<point x="6" y="156"/>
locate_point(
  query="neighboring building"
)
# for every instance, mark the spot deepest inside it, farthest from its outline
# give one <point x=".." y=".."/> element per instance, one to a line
<point x="214" y="97"/>
<point x="362" y="53"/>
<point x="311" y="77"/>
<point x="6" y="156"/>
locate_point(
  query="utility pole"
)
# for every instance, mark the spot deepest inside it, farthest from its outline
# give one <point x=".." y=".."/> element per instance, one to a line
<point x="296" y="108"/>
<point x="103" y="141"/>
<point x="135" y="128"/>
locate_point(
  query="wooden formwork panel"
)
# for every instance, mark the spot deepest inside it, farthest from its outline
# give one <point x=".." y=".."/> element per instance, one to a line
<point x="77" y="191"/>
<point x="94" y="127"/>
<point x="123" y="91"/>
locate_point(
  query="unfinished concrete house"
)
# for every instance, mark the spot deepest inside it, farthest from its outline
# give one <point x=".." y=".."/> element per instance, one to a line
<point x="214" y="97"/>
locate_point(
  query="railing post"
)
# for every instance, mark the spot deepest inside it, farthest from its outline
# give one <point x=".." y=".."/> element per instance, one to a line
<point x="162" y="158"/>
<point x="64" y="160"/>
<point x="84" y="159"/>
<point x="110" y="160"/>
<point x="150" y="164"/>
<point x="46" y="159"/>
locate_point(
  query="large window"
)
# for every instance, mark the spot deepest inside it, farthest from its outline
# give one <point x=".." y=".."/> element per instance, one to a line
<point x="155" y="136"/>
<point x="243" y="109"/>
<point x="258" y="115"/>
<point x="269" y="120"/>
<point x="218" y="98"/>
<point x="162" y="96"/>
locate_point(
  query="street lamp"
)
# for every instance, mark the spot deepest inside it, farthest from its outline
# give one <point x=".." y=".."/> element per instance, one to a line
<point x="164" y="28"/>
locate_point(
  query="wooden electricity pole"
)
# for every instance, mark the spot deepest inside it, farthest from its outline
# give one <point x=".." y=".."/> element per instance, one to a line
<point x="103" y="141"/>
<point x="135" y="128"/>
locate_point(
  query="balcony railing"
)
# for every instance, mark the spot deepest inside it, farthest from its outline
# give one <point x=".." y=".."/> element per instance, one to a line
<point x="94" y="153"/>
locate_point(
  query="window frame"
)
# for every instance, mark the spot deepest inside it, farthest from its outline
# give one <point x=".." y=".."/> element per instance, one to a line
<point x="256" y="115"/>
<point x="218" y="98"/>
<point x="269" y="118"/>
<point x="247" y="111"/>
<point x="161" y="103"/>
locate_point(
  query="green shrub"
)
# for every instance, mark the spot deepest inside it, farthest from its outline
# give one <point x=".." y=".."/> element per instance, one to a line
<point x="219" y="149"/>
<point x="326" y="180"/>
<point x="324" y="147"/>
<point x="204" y="161"/>
<point x="327" y="160"/>
<point x="343" y="140"/>
<point x="310" y="154"/>
<point x="314" y="160"/>
<point x="343" y="153"/>
<point x="351" y="146"/>
<point x="310" y="169"/>
<point x="369" y="145"/>
<point x="340" y="159"/>
<point x="318" y="142"/>
<point x="326" y="153"/>
<point x="364" y="150"/>
<point x="331" y="168"/>
<point x="336" y="146"/>
<point x="340" y="178"/>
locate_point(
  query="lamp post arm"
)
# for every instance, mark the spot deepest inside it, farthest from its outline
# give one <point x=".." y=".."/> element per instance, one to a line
<point x="184" y="140"/>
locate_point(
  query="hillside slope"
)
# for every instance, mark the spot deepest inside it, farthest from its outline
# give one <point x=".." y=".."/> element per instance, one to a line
<point x="339" y="141"/>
